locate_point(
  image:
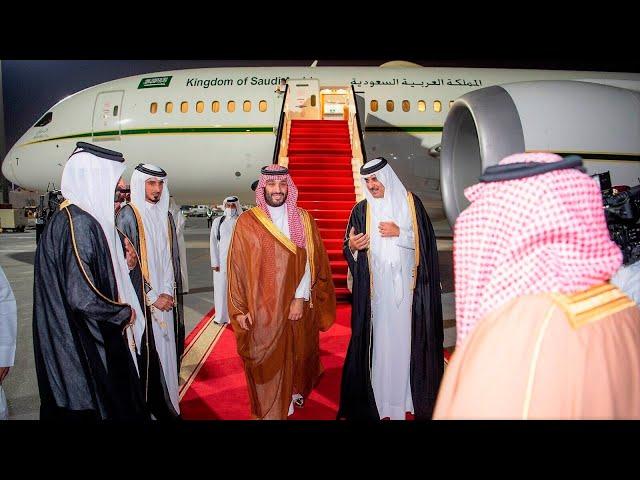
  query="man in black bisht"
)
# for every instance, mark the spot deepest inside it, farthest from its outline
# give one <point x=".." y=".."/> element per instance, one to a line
<point x="394" y="362"/>
<point x="83" y="308"/>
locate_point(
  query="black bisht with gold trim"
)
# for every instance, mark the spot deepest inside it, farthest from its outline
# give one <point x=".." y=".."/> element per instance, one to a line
<point x="357" y="400"/>
<point x="83" y="363"/>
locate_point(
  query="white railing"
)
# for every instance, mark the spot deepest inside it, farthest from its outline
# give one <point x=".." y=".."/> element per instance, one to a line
<point x="283" y="153"/>
<point x="357" y="158"/>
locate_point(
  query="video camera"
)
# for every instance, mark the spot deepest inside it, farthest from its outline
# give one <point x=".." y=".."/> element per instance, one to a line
<point x="49" y="204"/>
<point x="622" y="211"/>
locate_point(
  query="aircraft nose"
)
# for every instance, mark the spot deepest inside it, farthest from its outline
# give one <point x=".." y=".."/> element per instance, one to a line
<point x="9" y="168"/>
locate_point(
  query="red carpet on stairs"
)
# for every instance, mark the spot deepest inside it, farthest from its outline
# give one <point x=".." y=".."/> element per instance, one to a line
<point x="220" y="389"/>
<point x="320" y="166"/>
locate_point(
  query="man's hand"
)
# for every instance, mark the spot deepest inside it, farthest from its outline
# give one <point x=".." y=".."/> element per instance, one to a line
<point x="4" y="371"/>
<point x="132" y="320"/>
<point x="245" y="321"/>
<point x="359" y="241"/>
<point x="164" y="302"/>
<point x="216" y="269"/>
<point x="296" y="308"/>
<point x="130" y="254"/>
<point x="389" y="229"/>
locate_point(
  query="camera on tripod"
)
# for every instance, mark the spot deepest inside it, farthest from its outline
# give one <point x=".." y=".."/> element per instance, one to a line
<point x="622" y="211"/>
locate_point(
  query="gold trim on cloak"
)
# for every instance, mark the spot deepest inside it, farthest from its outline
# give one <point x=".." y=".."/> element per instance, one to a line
<point x="582" y="308"/>
<point x="534" y="363"/>
<point x="416" y="238"/>
<point x="230" y="270"/>
<point x="144" y="312"/>
<point x="77" y="255"/>
<point x="144" y="265"/>
<point x="591" y="305"/>
<point x="367" y="230"/>
<point x="308" y="231"/>
<point x="273" y="230"/>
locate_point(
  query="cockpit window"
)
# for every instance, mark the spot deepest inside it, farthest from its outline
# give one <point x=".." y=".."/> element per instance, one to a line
<point x="45" y="120"/>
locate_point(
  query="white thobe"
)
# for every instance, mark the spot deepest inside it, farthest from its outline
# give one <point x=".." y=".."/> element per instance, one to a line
<point x="8" y="322"/>
<point x="627" y="279"/>
<point x="391" y="323"/>
<point x="162" y="281"/>
<point x="280" y="218"/>
<point x="219" y="251"/>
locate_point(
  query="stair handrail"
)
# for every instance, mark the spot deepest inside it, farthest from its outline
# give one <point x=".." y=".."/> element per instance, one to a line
<point x="362" y="149"/>
<point x="281" y="123"/>
<point x="358" y="157"/>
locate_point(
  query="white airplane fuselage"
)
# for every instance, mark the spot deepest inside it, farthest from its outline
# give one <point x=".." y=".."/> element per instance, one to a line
<point x="213" y="153"/>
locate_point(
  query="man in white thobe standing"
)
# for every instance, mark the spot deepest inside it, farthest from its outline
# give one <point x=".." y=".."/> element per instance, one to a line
<point x="394" y="362"/>
<point x="146" y="223"/>
<point x="219" y="241"/>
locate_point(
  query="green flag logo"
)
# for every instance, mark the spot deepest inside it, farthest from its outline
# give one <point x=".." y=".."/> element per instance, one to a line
<point x="155" y="82"/>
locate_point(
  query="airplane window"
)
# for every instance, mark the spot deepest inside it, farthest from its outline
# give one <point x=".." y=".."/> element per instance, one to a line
<point x="450" y="103"/>
<point x="115" y="110"/>
<point x="422" y="106"/>
<point x="168" y="107"/>
<point x="231" y="106"/>
<point x="45" y="120"/>
<point x="437" y="106"/>
<point x="184" y="107"/>
<point x="374" y="105"/>
<point x="200" y="106"/>
<point x="246" y="106"/>
<point x="262" y="105"/>
<point x="389" y="105"/>
<point x="406" y="106"/>
<point x="313" y="100"/>
<point x="154" y="108"/>
<point x="215" y="106"/>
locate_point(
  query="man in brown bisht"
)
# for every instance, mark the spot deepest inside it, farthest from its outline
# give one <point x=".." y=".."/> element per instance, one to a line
<point x="280" y="296"/>
<point x="541" y="332"/>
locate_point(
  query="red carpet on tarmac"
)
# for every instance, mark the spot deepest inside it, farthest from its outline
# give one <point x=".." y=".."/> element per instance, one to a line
<point x="320" y="165"/>
<point x="220" y="389"/>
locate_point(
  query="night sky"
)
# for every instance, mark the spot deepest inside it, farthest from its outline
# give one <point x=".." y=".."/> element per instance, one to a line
<point x="38" y="70"/>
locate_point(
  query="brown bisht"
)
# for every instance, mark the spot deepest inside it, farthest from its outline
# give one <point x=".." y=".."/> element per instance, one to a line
<point x="280" y="356"/>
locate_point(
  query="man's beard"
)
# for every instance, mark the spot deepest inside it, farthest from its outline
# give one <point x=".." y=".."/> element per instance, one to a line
<point x="375" y="193"/>
<point x="272" y="203"/>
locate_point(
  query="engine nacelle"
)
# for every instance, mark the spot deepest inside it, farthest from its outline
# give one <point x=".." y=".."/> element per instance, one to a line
<point x="599" y="122"/>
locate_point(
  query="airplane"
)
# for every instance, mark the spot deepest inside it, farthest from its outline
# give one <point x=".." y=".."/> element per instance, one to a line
<point x="213" y="129"/>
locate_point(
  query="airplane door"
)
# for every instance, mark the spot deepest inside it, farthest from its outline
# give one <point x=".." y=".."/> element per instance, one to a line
<point x="106" y="116"/>
<point x="304" y="98"/>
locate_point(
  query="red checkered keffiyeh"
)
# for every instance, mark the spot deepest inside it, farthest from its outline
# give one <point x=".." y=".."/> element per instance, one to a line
<point x="545" y="233"/>
<point x="296" y="230"/>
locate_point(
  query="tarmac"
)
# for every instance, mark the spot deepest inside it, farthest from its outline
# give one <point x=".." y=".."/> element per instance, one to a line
<point x="17" y="252"/>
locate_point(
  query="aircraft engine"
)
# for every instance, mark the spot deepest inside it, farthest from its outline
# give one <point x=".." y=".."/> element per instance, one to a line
<point x="599" y="122"/>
